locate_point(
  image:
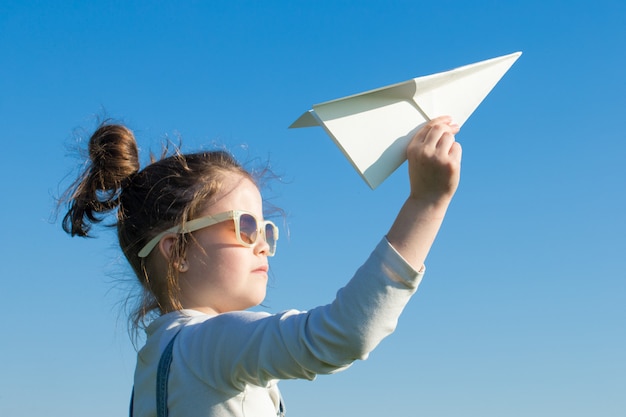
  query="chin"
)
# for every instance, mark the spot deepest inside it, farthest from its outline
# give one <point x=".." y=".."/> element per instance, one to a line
<point x="259" y="300"/>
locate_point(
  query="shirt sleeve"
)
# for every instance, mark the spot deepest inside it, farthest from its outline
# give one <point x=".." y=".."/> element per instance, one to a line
<point x="236" y="348"/>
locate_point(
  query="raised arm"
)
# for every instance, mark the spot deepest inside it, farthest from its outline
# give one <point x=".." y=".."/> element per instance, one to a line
<point x="434" y="171"/>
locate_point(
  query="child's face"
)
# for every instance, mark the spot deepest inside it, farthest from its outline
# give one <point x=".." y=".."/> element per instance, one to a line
<point x="223" y="274"/>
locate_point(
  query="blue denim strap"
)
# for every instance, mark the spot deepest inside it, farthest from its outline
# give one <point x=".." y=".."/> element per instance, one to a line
<point x="163" y="373"/>
<point x="281" y="408"/>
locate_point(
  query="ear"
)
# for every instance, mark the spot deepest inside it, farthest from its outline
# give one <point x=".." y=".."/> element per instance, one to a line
<point x="166" y="246"/>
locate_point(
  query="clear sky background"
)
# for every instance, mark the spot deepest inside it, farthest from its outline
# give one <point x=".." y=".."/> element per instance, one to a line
<point x="523" y="309"/>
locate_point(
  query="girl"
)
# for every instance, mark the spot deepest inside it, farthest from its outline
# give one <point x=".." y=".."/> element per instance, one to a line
<point x="192" y="228"/>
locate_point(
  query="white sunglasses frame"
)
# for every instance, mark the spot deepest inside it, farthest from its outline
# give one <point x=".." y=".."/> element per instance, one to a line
<point x="206" y="221"/>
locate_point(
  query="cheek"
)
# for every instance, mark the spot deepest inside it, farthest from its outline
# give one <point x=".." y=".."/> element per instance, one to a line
<point x="214" y="263"/>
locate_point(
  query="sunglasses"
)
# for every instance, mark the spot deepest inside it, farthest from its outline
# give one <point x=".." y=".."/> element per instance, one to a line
<point x="247" y="229"/>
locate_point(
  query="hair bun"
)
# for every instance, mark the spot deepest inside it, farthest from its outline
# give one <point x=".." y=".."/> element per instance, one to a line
<point x="114" y="161"/>
<point x="114" y="155"/>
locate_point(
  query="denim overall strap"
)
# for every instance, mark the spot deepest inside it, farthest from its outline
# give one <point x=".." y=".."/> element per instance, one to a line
<point x="281" y="408"/>
<point x="163" y="373"/>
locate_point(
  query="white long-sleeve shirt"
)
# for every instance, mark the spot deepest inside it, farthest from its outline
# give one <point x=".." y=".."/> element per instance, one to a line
<point x="229" y="364"/>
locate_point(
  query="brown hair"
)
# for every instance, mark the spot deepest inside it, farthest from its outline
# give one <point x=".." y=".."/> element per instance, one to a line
<point x="165" y="193"/>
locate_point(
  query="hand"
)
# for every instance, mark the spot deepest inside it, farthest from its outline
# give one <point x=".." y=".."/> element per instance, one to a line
<point x="435" y="160"/>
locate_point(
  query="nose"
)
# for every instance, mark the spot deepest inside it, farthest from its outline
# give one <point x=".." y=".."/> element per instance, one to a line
<point x="261" y="247"/>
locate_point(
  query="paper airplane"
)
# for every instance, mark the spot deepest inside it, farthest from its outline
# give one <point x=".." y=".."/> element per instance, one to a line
<point x="373" y="129"/>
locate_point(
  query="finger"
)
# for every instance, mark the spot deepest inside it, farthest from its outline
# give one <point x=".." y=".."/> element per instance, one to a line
<point x="435" y="133"/>
<point x="442" y="122"/>
<point x="445" y="143"/>
<point x="441" y="119"/>
<point x="446" y="120"/>
<point x="456" y="151"/>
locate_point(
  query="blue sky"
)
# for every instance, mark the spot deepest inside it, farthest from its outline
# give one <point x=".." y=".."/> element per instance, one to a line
<point x="523" y="309"/>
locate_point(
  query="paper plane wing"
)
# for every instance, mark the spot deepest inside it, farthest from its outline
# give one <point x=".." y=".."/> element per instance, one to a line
<point x="373" y="129"/>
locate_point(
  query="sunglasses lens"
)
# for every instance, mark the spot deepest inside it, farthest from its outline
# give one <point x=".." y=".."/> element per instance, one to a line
<point x="270" y="237"/>
<point x="248" y="232"/>
<point x="247" y="228"/>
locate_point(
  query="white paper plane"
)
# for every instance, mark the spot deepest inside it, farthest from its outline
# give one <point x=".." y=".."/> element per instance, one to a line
<point x="373" y="128"/>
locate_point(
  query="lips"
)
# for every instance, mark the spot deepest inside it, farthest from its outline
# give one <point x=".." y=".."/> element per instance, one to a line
<point x="262" y="269"/>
